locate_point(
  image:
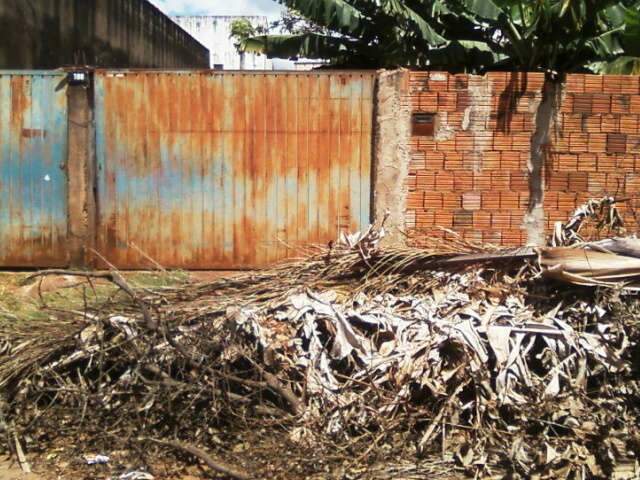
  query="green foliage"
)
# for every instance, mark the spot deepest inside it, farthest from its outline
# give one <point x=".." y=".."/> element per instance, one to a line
<point x="241" y="30"/>
<point x="463" y="35"/>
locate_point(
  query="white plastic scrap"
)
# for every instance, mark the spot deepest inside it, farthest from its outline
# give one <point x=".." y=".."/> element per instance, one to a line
<point x="96" y="459"/>
<point x="136" y="475"/>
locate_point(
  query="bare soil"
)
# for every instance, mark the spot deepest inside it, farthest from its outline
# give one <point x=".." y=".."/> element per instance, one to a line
<point x="10" y="470"/>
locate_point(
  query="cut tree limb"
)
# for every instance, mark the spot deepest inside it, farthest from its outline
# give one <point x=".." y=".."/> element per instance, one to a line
<point x="215" y="465"/>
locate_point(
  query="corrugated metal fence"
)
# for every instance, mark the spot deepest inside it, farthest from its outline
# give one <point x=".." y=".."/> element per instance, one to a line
<point x="233" y="170"/>
<point x="33" y="185"/>
<point x="194" y="169"/>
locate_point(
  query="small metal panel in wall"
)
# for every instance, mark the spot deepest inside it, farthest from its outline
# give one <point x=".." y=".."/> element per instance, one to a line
<point x="33" y="186"/>
<point x="229" y="170"/>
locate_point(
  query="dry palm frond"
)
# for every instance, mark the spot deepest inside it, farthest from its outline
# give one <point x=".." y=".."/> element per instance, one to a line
<point x="602" y="212"/>
<point x="587" y="267"/>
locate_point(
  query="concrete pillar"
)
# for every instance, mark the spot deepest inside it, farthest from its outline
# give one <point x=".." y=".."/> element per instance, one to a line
<point x="391" y="152"/>
<point x="80" y="174"/>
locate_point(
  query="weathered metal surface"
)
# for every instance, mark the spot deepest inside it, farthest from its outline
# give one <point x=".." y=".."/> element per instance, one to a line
<point x="33" y="187"/>
<point x="229" y="170"/>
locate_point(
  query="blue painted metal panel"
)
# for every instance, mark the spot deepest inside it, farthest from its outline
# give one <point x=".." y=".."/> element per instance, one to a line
<point x="33" y="183"/>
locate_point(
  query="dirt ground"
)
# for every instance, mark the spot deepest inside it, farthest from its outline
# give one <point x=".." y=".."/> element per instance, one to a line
<point x="21" y="295"/>
<point x="9" y="470"/>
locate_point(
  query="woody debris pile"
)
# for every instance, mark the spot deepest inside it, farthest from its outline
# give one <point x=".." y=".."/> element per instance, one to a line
<point x="450" y="360"/>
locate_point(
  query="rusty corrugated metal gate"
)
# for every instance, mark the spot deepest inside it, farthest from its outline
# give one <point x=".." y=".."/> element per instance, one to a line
<point x="229" y="170"/>
<point x="193" y="169"/>
<point x="33" y="184"/>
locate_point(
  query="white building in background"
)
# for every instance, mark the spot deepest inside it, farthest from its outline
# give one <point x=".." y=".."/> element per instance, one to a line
<point x="214" y="31"/>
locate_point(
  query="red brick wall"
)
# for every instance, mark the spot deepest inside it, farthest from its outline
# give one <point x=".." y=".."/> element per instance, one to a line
<point x="471" y="176"/>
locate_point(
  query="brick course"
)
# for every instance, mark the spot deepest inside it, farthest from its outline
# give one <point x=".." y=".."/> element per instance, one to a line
<point x="472" y="177"/>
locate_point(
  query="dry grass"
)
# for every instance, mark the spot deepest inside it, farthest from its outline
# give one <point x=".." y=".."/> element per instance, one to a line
<point x="25" y="298"/>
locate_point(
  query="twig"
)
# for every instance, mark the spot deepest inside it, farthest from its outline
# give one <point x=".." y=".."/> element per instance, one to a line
<point x="22" y="459"/>
<point x="277" y="386"/>
<point x="271" y="382"/>
<point x="285" y="391"/>
<point x="215" y="465"/>
<point x="4" y="426"/>
<point x="438" y="418"/>
<point x="148" y="257"/>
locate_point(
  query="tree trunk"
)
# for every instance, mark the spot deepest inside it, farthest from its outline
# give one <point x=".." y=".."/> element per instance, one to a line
<point x="546" y="114"/>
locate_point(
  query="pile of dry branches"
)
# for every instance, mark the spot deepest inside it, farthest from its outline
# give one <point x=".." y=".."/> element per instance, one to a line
<point x="465" y="356"/>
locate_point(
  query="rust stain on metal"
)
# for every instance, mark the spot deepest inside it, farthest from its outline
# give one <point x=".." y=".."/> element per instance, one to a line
<point x="34" y="133"/>
<point x="206" y="170"/>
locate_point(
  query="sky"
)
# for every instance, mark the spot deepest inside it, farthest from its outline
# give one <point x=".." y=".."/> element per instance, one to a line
<point x="269" y="8"/>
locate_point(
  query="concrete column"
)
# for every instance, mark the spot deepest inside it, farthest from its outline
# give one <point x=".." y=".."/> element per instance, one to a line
<point x="391" y="152"/>
<point x="80" y="174"/>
